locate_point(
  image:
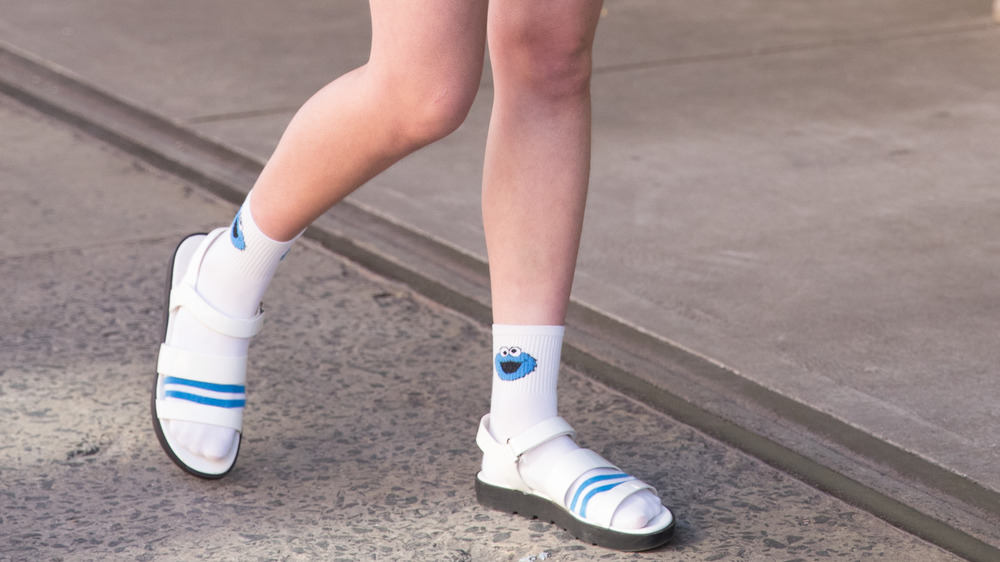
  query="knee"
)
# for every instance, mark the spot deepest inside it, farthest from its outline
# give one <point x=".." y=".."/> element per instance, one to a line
<point x="427" y="108"/>
<point x="438" y="112"/>
<point x="550" y="64"/>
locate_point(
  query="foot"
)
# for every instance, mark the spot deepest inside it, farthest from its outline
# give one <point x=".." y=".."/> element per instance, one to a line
<point x="211" y="442"/>
<point x="634" y="513"/>
<point x="543" y="473"/>
<point x="217" y="282"/>
<point x="201" y="370"/>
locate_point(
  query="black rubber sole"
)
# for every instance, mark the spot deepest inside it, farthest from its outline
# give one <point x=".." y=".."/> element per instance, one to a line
<point x="534" y="507"/>
<point x="152" y="402"/>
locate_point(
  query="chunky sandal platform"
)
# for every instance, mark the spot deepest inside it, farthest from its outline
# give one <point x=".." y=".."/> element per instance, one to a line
<point x="209" y="389"/>
<point x="587" y="512"/>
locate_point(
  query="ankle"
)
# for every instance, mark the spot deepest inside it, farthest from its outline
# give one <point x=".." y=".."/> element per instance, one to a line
<point x="238" y="266"/>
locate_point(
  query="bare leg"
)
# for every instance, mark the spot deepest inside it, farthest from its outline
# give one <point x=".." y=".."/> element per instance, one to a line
<point x="420" y="81"/>
<point x="538" y="155"/>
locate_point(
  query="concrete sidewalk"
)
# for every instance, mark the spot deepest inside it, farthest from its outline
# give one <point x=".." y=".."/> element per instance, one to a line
<point x="800" y="195"/>
<point x="803" y="193"/>
<point x="364" y="404"/>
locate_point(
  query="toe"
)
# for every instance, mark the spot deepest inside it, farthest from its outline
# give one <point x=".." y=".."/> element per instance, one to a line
<point x="220" y="442"/>
<point x="637" y="511"/>
<point x="208" y="441"/>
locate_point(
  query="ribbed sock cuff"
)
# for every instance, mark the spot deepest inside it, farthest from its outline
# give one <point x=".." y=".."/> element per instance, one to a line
<point x="525" y="329"/>
<point x="259" y="254"/>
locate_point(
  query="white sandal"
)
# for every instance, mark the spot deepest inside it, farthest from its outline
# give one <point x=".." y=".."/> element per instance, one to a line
<point x="587" y="515"/>
<point x="209" y="389"/>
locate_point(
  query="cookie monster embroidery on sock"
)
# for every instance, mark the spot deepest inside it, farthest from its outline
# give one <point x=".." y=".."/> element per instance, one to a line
<point x="236" y="232"/>
<point x="512" y="363"/>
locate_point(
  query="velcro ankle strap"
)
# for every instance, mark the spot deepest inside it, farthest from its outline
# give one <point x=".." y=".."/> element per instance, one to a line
<point x="507" y="455"/>
<point x="514" y="447"/>
<point x="186" y="296"/>
<point x="541" y="432"/>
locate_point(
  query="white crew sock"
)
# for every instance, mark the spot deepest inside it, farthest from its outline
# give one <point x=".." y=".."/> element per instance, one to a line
<point x="234" y="275"/>
<point x="525" y="376"/>
<point x="528" y="394"/>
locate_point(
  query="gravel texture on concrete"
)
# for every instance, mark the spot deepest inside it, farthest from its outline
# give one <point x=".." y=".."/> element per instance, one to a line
<point x="364" y="400"/>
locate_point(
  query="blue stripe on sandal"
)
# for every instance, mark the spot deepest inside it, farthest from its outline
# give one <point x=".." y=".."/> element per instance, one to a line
<point x="595" y="491"/>
<point x="234" y="388"/>
<point x="590" y="482"/>
<point x="237" y="398"/>
<point x="206" y="400"/>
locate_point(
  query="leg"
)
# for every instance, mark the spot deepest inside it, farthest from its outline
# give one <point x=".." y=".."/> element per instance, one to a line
<point x="537" y="162"/>
<point x="420" y="81"/>
<point x="534" y="192"/>
<point x="538" y="155"/>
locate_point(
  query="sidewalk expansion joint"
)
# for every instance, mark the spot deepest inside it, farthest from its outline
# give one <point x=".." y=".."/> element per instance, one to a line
<point x="833" y="43"/>
<point x="909" y="492"/>
<point x="236" y="115"/>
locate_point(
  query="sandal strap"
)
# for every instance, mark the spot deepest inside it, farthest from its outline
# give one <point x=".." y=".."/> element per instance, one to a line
<point x="604" y="504"/>
<point x="568" y="469"/>
<point x="213" y="369"/>
<point x="183" y="410"/>
<point x="210" y="388"/>
<point x="527" y="440"/>
<point x="512" y="450"/>
<point x="184" y="295"/>
<point x="597" y="499"/>
<point x="542" y="432"/>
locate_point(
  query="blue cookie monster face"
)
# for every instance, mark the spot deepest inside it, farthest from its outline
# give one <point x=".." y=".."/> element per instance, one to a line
<point x="512" y="363"/>
<point x="236" y="232"/>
